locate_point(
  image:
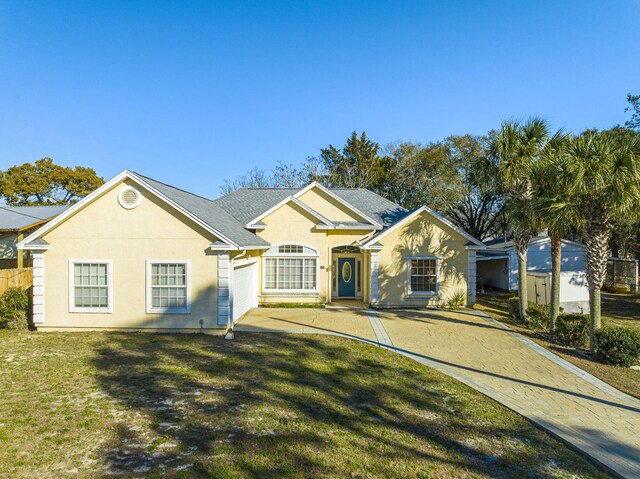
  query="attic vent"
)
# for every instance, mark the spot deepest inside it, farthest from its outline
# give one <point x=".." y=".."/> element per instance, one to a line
<point x="129" y="197"/>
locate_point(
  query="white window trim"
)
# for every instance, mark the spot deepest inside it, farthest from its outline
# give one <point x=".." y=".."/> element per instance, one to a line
<point x="150" y="309"/>
<point x="72" y="291"/>
<point x="277" y="255"/>
<point x="296" y="255"/>
<point x="423" y="293"/>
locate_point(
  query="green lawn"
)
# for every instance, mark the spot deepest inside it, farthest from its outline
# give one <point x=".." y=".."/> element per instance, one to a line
<point x="144" y="405"/>
<point x="619" y="310"/>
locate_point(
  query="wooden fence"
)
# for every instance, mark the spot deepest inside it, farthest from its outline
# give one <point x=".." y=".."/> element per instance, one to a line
<point x="16" y="277"/>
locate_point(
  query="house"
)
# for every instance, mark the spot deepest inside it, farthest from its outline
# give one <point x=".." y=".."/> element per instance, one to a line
<point x="140" y="254"/>
<point x="498" y="264"/>
<point x="17" y="222"/>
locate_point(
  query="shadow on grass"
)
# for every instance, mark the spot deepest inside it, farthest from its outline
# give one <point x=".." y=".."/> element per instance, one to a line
<point x="303" y="406"/>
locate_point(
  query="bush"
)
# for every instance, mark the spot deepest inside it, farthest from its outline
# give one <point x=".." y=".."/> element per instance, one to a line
<point x="619" y="346"/>
<point x="457" y="299"/>
<point x="538" y="316"/>
<point x="13" y="309"/>
<point x="514" y="308"/>
<point x="573" y="330"/>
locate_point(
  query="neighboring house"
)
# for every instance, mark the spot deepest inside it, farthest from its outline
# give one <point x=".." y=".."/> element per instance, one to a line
<point x="498" y="264"/>
<point x="17" y="222"/>
<point x="137" y="253"/>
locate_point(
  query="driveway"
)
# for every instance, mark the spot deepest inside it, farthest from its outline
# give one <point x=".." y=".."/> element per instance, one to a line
<point x="566" y="401"/>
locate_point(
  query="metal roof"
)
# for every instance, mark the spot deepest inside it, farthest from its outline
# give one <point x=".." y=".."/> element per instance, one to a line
<point x="15" y="218"/>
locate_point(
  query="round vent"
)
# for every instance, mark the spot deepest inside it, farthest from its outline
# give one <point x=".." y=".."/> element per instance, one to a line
<point x="129" y="197"/>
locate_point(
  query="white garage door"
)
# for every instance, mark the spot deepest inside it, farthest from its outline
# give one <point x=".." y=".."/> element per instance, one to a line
<point x="245" y="288"/>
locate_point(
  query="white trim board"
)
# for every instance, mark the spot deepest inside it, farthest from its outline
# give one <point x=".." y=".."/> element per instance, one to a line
<point x="126" y="174"/>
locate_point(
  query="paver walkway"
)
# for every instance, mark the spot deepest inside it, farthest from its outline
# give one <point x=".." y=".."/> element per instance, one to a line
<point x="502" y="364"/>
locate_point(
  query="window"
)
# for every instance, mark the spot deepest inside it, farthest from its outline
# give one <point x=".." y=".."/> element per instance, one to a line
<point x="168" y="286"/>
<point x="90" y="286"/>
<point x="359" y="276"/>
<point x="423" y="276"/>
<point x="291" y="267"/>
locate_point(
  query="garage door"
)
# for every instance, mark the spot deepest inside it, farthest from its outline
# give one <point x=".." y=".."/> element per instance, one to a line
<point x="245" y="288"/>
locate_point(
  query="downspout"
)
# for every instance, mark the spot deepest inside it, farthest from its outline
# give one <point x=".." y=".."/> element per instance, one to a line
<point x="229" y="334"/>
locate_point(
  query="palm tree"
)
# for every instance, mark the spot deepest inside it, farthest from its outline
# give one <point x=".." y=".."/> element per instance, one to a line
<point x="513" y="150"/>
<point x="604" y="170"/>
<point x="553" y="204"/>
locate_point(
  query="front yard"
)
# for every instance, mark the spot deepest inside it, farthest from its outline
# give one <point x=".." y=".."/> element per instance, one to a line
<point x="617" y="309"/>
<point x="270" y="405"/>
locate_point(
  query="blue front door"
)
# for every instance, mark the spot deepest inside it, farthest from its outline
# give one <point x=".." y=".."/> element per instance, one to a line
<point x="346" y="277"/>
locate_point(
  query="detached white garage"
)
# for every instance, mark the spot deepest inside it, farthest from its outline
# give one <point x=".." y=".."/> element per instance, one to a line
<point x="245" y="288"/>
<point x="497" y="266"/>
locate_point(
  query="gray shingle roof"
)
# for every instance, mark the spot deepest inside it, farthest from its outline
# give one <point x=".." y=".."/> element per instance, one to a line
<point x="230" y="213"/>
<point x="246" y="204"/>
<point x="20" y="217"/>
<point x="372" y="204"/>
<point x="209" y="212"/>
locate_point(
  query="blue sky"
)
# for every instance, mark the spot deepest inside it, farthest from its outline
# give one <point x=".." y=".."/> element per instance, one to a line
<point x="192" y="92"/>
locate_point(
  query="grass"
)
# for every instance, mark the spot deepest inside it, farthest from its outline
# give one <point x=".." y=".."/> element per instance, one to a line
<point x="621" y="310"/>
<point x="617" y="310"/>
<point x="270" y="405"/>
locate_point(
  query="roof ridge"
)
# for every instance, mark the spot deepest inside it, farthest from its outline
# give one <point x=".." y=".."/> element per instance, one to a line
<point x="174" y="187"/>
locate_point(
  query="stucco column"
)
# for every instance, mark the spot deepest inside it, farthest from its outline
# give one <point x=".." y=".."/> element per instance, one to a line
<point x="38" y="287"/>
<point x="471" y="278"/>
<point x="374" y="280"/>
<point x="224" y="288"/>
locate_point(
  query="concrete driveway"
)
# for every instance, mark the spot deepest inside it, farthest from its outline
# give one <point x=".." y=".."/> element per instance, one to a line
<point x="344" y="322"/>
<point x="568" y="402"/>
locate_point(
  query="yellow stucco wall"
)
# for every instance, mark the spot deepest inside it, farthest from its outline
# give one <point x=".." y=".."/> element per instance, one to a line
<point x="292" y="224"/>
<point x="153" y="230"/>
<point x="424" y="236"/>
<point x="328" y="206"/>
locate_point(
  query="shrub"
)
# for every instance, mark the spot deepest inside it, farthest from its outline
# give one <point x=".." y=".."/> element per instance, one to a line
<point x="457" y="299"/>
<point x="573" y="329"/>
<point x="13" y="309"/>
<point x="619" y="346"/>
<point x="538" y="316"/>
<point x="514" y="308"/>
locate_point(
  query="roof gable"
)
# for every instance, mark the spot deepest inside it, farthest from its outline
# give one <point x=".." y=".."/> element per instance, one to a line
<point x="246" y="204"/>
<point x="317" y="186"/>
<point x="257" y="222"/>
<point x="200" y="210"/>
<point x="473" y="242"/>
